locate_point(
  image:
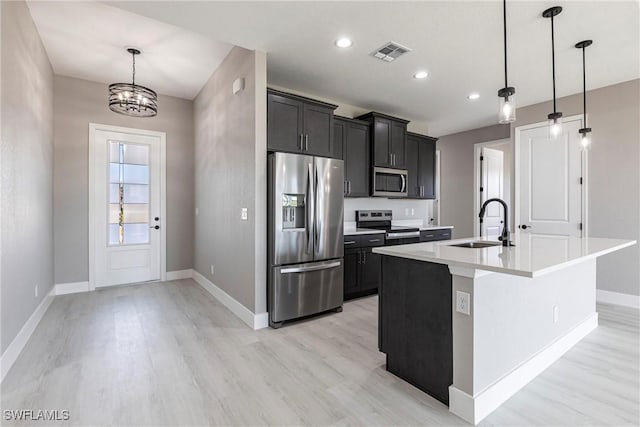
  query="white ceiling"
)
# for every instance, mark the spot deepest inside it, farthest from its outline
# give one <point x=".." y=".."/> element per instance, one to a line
<point x="459" y="43"/>
<point x="86" y="40"/>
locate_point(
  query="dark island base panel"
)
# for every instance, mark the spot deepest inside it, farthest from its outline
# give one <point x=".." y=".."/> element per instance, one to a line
<point x="415" y="327"/>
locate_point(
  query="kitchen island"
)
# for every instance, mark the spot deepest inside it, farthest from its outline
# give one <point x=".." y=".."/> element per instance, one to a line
<point x="471" y="326"/>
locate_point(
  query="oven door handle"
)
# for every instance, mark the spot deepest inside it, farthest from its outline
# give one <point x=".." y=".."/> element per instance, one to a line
<point x="403" y="234"/>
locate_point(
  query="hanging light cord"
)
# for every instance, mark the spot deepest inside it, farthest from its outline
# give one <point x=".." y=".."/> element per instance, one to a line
<point x="134" y="67"/>
<point x="504" y="21"/>
<point x="584" y="87"/>
<point x="553" y="64"/>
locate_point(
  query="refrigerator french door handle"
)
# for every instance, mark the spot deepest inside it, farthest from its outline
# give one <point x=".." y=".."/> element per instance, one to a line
<point x="310" y="268"/>
<point x="310" y="206"/>
<point x="317" y="218"/>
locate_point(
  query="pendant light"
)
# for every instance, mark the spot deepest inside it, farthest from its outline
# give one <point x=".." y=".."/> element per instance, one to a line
<point x="585" y="140"/>
<point x="555" y="118"/>
<point x="131" y="99"/>
<point x="507" y="95"/>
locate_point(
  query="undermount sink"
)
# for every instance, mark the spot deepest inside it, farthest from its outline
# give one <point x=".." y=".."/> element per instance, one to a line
<point x="477" y="245"/>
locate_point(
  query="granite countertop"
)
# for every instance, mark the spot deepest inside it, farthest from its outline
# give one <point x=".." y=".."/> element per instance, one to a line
<point x="532" y="256"/>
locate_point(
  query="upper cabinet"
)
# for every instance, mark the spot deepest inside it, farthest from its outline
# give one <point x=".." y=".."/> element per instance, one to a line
<point x="299" y="125"/>
<point x="421" y="166"/>
<point x="352" y="137"/>
<point x="388" y="139"/>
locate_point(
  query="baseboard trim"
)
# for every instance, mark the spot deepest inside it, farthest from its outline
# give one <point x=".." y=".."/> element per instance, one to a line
<point x="254" y="321"/>
<point x="617" y="298"/>
<point x="12" y="352"/>
<point x="180" y="274"/>
<point x="71" y="288"/>
<point x="475" y="408"/>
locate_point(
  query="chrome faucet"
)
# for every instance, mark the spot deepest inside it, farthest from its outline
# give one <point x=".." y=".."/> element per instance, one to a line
<point x="506" y="234"/>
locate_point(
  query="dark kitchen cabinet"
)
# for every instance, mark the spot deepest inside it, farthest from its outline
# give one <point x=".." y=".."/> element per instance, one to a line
<point x="388" y="140"/>
<point x="353" y="137"/>
<point x="361" y="265"/>
<point x="299" y="125"/>
<point x="421" y="166"/>
<point x="435" y="234"/>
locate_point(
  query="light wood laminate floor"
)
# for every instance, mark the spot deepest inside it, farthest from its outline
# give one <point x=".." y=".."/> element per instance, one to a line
<point x="170" y="354"/>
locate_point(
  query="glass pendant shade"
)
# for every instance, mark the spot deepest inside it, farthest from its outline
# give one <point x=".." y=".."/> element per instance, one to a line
<point x="555" y="127"/>
<point x="585" y="138"/>
<point x="507" y="112"/>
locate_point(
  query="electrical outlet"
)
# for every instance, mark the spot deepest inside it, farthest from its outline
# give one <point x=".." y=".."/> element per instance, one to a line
<point x="197" y="211"/>
<point x="244" y="214"/>
<point x="212" y="269"/>
<point x="463" y="301"/>
<point x="413" y="212"/>
<point x="556" y="313"/>
<point x="36" y="291"/>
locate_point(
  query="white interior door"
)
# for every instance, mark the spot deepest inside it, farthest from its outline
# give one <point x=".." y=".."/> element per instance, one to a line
<point x="550" y="171"/>
<point x="492" y="187"/>
<point x="126" y="206"/>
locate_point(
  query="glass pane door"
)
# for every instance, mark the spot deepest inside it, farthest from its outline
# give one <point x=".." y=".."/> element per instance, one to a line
<point x="128" y="204"/>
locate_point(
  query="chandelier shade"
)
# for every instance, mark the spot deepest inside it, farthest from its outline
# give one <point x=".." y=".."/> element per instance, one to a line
<point x="132" y="99"/>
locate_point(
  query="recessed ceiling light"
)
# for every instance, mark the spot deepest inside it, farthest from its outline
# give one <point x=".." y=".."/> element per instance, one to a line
<point x="344" y="42"/>
<point x="420" y="75"/>
<point x="473" y="96"/>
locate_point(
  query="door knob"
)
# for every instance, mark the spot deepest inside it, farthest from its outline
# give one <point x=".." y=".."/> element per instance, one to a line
<point x="157" y="227"/>
<point x="524" y="226"/>
<point x="156" y="219"/>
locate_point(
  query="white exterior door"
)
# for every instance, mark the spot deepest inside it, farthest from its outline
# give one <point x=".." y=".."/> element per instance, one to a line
<point x="492" y="187"/>
<point x="126" y="201"/>
<point x="549" y="173"/>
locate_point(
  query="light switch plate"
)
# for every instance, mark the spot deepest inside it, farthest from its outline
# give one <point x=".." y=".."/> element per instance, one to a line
<point x="244" y="215"/>
<point x="463" y="301"/>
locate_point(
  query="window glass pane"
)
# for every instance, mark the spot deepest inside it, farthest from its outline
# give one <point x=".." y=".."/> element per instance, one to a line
<point x="136" y="193"/>
<point x="136" y="234"/>
<point x="114" y="151"/>
<point x="114" y="234"/>
<point x="114" y="193"/>
<point x="114" y="172"/>
<point x="136" y="174"/>
<point x="136" y="154"/>
<point x="114" y="213"/>
<point x="136" y="213"/>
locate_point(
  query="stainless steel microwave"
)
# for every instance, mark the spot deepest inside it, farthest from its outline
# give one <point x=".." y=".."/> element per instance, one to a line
<point x="389" y="182"/>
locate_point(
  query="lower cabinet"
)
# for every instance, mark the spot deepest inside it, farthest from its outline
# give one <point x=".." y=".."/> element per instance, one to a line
<point x="362" y="268"/>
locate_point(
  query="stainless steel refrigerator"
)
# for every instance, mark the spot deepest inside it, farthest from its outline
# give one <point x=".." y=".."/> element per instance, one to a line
<point x="305" y="236"/>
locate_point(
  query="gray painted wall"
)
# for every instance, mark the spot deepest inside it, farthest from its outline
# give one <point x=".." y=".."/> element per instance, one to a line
<point x="72" y="115"/>
<point x="614" y="174"/>
<point x="456" y="175"/>
<point x="27" y="170"/>
<point x="230" y="150"/>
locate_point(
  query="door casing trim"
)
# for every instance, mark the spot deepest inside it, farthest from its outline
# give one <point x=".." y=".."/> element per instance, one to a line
<point x="93" y="127"/>
<point x="477" y="179"/>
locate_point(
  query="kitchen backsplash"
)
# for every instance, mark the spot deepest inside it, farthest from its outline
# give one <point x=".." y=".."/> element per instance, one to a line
<point x="403" y="209"/>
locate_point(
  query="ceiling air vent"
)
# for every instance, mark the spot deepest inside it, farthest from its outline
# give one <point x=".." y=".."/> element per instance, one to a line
<point x="390" y="52"/>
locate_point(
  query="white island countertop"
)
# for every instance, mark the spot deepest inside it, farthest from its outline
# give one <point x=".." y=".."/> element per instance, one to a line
<point x="533" y="255"/>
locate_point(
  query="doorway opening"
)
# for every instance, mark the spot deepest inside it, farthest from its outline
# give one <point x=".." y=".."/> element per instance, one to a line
<point x="492" y="179"/>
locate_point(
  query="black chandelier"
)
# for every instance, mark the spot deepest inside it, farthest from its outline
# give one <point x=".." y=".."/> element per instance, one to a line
<point x="131" y="99"/>
<point x="507" y="95"/>
<point x="585" y="141"/>
<point x="555" y="118"/>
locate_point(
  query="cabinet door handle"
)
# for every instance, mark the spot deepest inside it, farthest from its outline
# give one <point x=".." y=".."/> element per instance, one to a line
<point x="373" y="240"/>
<point x="300" y="143"/>
<point x="364" y="256"/>
<point x="306" y="143"/>
<point x="350" y="242"/>
<point x="349" y="186"/>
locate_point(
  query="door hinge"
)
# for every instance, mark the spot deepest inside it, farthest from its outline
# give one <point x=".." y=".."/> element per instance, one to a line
<point x="580" y="180"/>
<point x="481" y="158"/>
<point x="481" y="189"/>
<point x="580" y="226"/>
